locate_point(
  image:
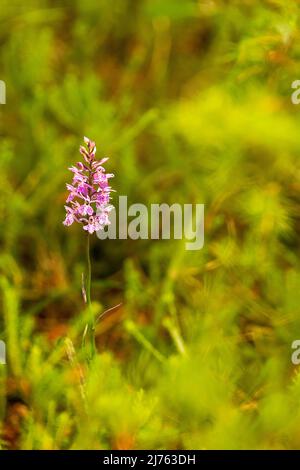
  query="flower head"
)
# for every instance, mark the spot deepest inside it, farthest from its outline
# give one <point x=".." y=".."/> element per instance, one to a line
<point x="89" y="192"/>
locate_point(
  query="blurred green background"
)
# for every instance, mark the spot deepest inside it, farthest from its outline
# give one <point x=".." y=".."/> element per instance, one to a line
<point x="191" y="100"/>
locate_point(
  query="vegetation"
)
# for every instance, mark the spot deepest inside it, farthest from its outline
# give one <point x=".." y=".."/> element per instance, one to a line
<point x="191" y="101"/>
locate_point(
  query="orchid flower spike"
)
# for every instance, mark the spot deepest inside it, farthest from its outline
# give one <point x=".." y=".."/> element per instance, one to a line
<point x="89" y="192"/>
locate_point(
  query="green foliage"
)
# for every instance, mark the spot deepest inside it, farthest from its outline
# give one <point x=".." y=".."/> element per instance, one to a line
<point x="191" y="102"/>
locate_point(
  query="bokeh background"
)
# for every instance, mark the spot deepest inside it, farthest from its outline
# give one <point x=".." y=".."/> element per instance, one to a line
<point x="191" y="100"/>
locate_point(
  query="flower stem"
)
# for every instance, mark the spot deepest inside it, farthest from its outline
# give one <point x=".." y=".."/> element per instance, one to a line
<point x="88" y="296"/>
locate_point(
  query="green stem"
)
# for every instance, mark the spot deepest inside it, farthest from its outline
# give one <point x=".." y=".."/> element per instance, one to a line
<point x="89" y="271"/>
<point x="88" y="297"/>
